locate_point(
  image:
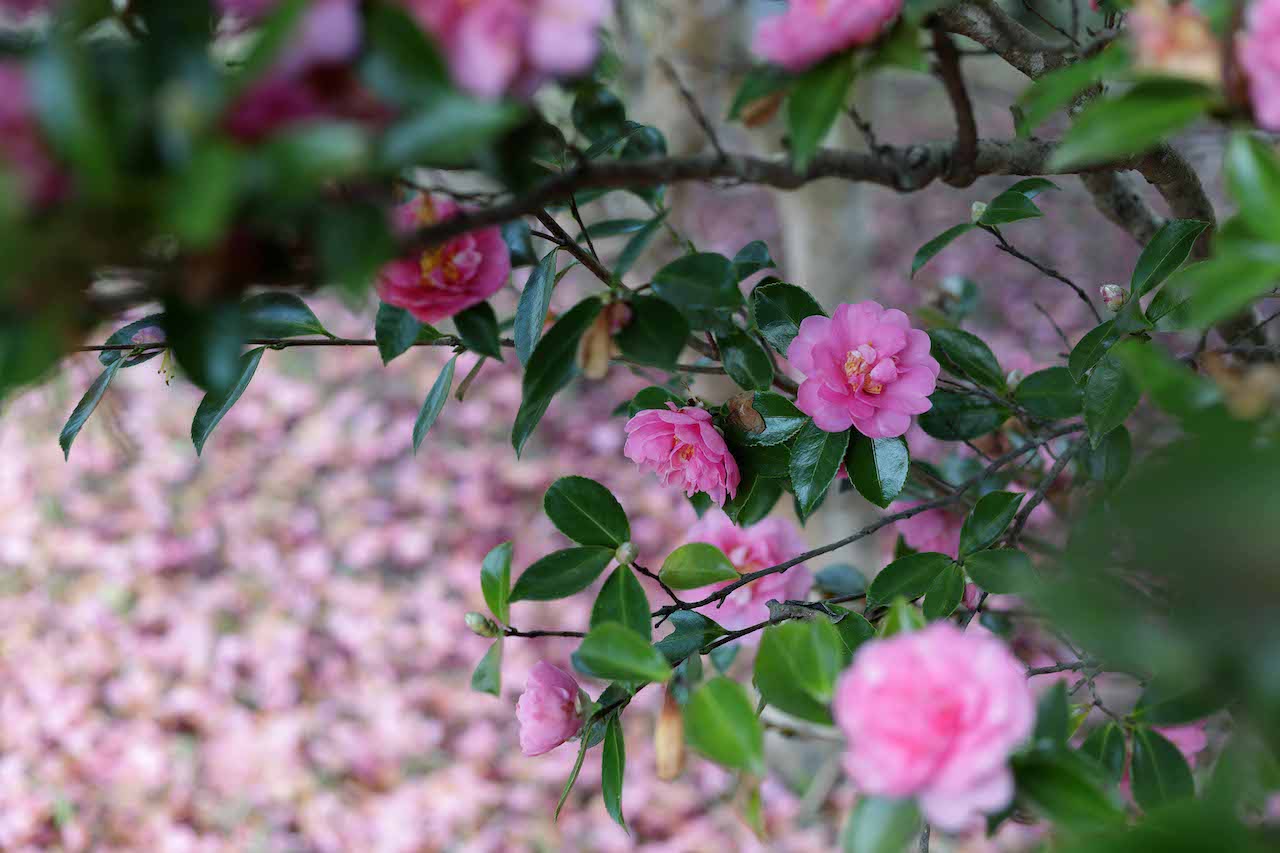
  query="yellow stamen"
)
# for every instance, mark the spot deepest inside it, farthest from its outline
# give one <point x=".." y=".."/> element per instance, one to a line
<point x="872" y="387"/>
<point x="854" y="364"/>
<point x="686" y="452"/>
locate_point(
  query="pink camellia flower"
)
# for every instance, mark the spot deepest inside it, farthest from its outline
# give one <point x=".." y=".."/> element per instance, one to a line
<point x="447" y="279"/>
<point x="23" y="152"/>
<point x="496" y="47"/>
<point x="933" y="530"/>
<point x="1175" y="40"/>
<point x="682" y="444"/>
<point x="934" y="714"/>
<point x="811" y="30"/>
<point x="763" y="544"/>
<point x="548" y="710"/>
<point x="1258" y="51"/>
<point x="865" y="367"/>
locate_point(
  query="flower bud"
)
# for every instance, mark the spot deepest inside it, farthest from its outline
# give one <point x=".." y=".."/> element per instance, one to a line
<point x="1113" y="296"/>
<point x="668" y="740"/>
<point x="481" y="625"/>
<point x="626" y="553"/>
<point x="1014" y="379"/>
<point x="977" y="211"/>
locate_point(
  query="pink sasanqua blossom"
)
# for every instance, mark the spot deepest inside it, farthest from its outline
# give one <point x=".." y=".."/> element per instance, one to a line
<point x="811" y="30"/>
<point x="1258" y="50"/>
<point x="548" y="711"/>
<point x="682" y="446"/>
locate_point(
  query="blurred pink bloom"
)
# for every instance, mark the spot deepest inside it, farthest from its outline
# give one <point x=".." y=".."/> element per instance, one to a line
<point x="763" y="544"/>
<point x="22" y="147"/>
<point x="811" y="30"/>
<point x="1190" y="739"/>
<point x="25" y="7"/>
<point x="1259" y="54"/>
<point x="548" y="709"/>
<point x="933" y="530"/>
<point x="496" y="47"/>
<point x="450" y="278"/>
<point x="249" y="10"/>
<point x="1175" y="40"/>
<point x="682" y="444"/>
<point x="865" y="367"/>
<point x="934" y="714"/>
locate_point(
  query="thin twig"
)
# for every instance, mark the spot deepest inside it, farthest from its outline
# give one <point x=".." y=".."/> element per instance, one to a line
<point x="1020" y="520"/>
<point x="694" y="107"/>
<point x="513" y="632"/>
<point x="1008" y="248"/>
<point x="288" y="343"/>
<point x="561" y="238"/>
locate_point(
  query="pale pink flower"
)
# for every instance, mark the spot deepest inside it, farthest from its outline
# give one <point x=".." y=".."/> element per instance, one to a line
<point x="497" y="47"/>
<point x="811" y="30"/>
<point x="934" y="714"/>
<point x="932" y="530"/>
<point x="23" y="8"/>
<point x="23" y="151"/>
<point x="447" y="279"/>
<point x="682" y="445"/>
<point x="1258" y="51"/>
<point x="864" y="367"/>
<point x="548" y="710"/>
<point x="1175" y="40"/>
<point x="1190" y="739"/>
<point x="765" y="543"/>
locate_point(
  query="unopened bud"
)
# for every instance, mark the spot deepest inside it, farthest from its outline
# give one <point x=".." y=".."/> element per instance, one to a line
<point x="1113" y="296"/>
<point x="626" y="553"/>
<point x="953" y="286"/>
<point x="1014" y="379"/>
<point x="481" y="625"/>
<point x="977" y="211"/>
<point x="668" y="740"/>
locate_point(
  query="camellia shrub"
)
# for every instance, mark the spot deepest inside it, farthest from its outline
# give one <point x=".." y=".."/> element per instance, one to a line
<point x="223" y="161"/>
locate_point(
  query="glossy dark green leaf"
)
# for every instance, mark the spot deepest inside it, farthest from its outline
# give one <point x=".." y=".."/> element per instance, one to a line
<point x="796" y="667"/>
<point x="433" y="404"/>
<point x="1064" y="789"/>
<point x="696" y="565"/>
<point x="1131" y="123"/>
<point x="207" y="342"/>
<point x="551" y="367"/>
<point x="613" y="651"/>
<point x="945" y="594"/>
<point x="1002" y="571"/>
<point x="487" y="677"/>
<point x="840" y="579"/>
<point x="535" y="300"/>
<point x="1253" y="176"/>
<point x="1170" y="383"/>
<point x="1221" y="287"/>
<point x="353" y="242"/>
<point x="598" y="113"/>
<point x="1168" y="702"/>
<point x="653" y="397"/>
<point x="279" y="315"/>
<point x="584" y="744"/>
<point x="622" y="599"/>
<point x="778" y="309"/>
<point x="85" y="407"/>
<point x="967" y="356"/>
<point x="691" y="631"/>
<point x="751" y="259"/>
<point x="613" y="764"/>
<point x="1053" y="714"/>
<point x="125" y="335"/>
<point x="755" y="499"/>
<point x="759" y="83"/>
<point x="478" y="328"/>
<point x="816" y="101"/>
<point x="1160" y="772"/>
<point x="636" y="245"/>
<point x="606" y="228"/>
<point x="519" y="239"/>
<point x="1056" y="90"/>
<point x="447" y="129"/>
<point x="1051" y="393"/>
<point x="720" y="722"/>
<point x="956" y="416"/>
<point x="1168" y="250"/>
<point x="878" y="467"/>
<point x="1032" y="187"/>
<point x="929" y="250"/>
<point x="67" y="98"/>
<point x="586" y="512"/>
<point x="880" y="825"/>
<point x="1105" y="745"/>
<point x="561" y="574"/>
<point x="396" y="330"/>
<point x="215" y="406"/>
<point x="781" y="418"/>
<point x="698" y="284"/>
<point x="495" y="581"/>
<point x="745" y="361"/>
<point x="815" y="459"/>
<point x="1091" y="348"/>
<point x="1110" y="396"/>
<point x="909" y="577"/>
<point x="901" y="617"/>
<point x="853" y="628"/>
<point x="400" y="61"/>
<point x="202" y="198"/>
<point x="989" y="518"/>
<point x="1109" y="461"/>
<point x="655" y="334"/>
<point x="1009" y="207"/>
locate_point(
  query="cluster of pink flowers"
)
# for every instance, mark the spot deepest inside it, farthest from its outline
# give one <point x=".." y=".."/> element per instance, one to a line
<point x="1259" y="55"/>
<point x="23" y="150"/>
<point x="439" y="283"/>
<point x="498" y="47"/>
<point x="934" y="714"/>
<point x="811" y="30"/>
<point x="682" y="446"/>
<point x="764" y="544"/>
<point x="864" y="367"/>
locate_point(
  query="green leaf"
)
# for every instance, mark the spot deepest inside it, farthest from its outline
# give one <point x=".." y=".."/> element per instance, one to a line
<point x="636" y="245"/>
<point x="815" y="459"/>
<point x="696" y="565"/>
<point x="1168" y="249"/>
<point x="1226" y="284"/>
<point x="583" y="745"/>
<point x="656" y="333"/>
<point x="1032" y="187"/>
<point x="698" y="284"/>
<point x="759" y="83"/>
<point x="215" y="406"/>
<point x="400" y="61"/>
<point x="1001" y="571"/>
<point x="796" y="667"/>
<point x="1056" y="90"/>
<point x="1061" y="787"/>
<point x="945" y="594"/>
<point x="745" y="361"/>
<point x="927" y="252"/>
<point x="447" y="129"/>
<point x="778" y="308"/>
<point x="586" y="512"/>
<point x="840" y="579"/>
<point x="1091" y="348"/>
<point x="279" y="315"/>
<point x="880" y="825"/>
<point x="1105" y="745"/>
<point x="1051" y="394"/>
<point x="613" y="651"/>
<point x="1160" y="772"/>
<point x="1253" y="177"/>
<point x="613" y="763"/>
<point x="1170" y="383"/>
<point x="653" y="397"/>
<point x="551" y="367"/>
<point x="878" y="467"/>
<point x="1109" y="461"/>
<point x="124" y="335"/>
<point x="901" y="618"/>
<point x="202" y="197"/>
<point x="1053" y="715"/>
<point x="207" y="341"/>
<point x="957" y="416"/>
<point x="535" y="300"/>
<point x="853" y="628"/>
<point x="720" y="722"/>
<point x="67" y="98"/>
<point x="622" y="599"/>
<point x="909" y="578"/>
<point x="967" y="356"/>
<point x="691" y="632"/>
<point x="487" y="677"/>
<point x="396" y="330"/>
<point x="353" y="242"/>
<point x="495" y="581"/>
<point x="606" y="228"/>
<point x="519" y="239"/>
<point x="816" y="101"/>
<point x="990" y="516"/>
<point x="598" y="113"/>
<point x="434" y="403"/>
<point x="1131" y="123"/>
<point x="1168" y="702"/>
<point x="751" y="259"/>
<point x="1009" y="207"/>
<point x="561" y="574"/>
<point x="1110" y="397"/>
<point x="755" y="499"/>
<point x="478" y="328"/>
<point x="781" y="420"/>
<point x="85" y="407"/>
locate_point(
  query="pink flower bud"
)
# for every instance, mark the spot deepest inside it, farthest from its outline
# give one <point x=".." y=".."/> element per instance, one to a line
<point x="548" y="711"/>
<point x="1113" y="296"/>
